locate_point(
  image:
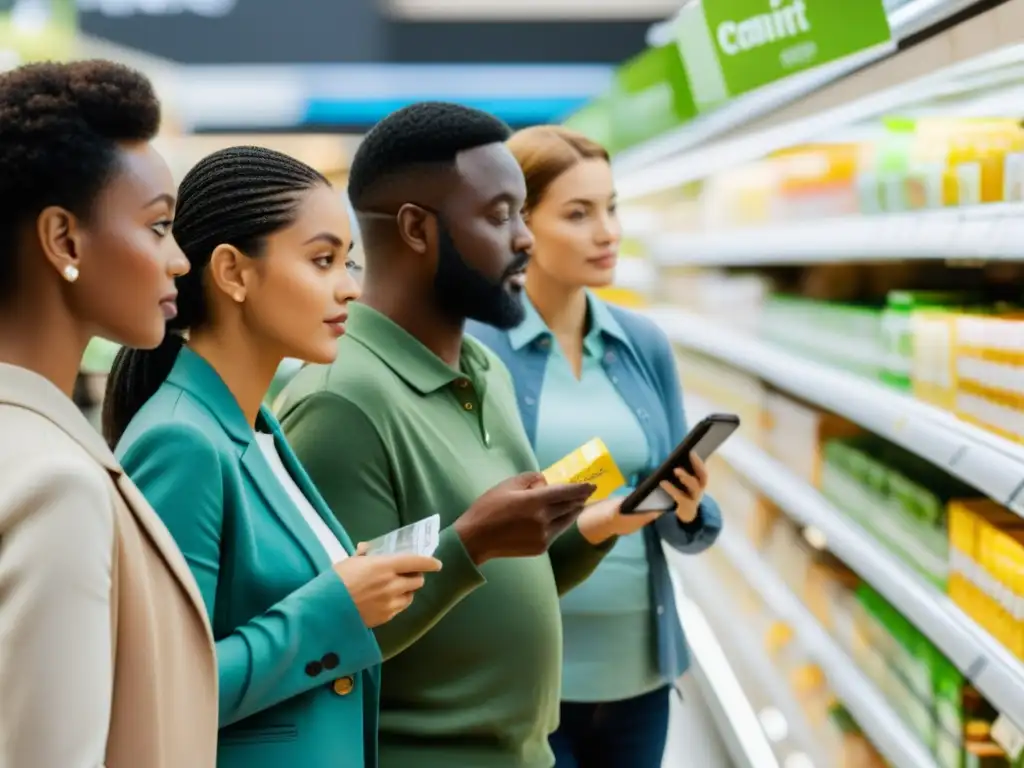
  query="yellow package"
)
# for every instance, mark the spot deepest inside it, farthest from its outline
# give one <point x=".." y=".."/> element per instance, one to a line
<point x="590" y="463"/>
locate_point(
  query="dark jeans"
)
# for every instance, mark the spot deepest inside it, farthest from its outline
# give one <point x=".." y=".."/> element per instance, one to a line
<point x="615" y="734"/>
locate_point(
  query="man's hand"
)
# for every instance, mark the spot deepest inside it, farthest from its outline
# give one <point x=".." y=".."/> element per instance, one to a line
<point x="520" y="517"/>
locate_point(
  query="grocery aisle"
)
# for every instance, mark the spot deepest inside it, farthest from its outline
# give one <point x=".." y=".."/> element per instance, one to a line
<point x="848" y="278"/>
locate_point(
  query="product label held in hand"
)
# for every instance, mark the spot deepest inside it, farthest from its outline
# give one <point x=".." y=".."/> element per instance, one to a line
<point x="419" y="538"/>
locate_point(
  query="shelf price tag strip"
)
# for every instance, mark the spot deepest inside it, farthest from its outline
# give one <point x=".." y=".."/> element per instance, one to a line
<point x="985" y="232"/>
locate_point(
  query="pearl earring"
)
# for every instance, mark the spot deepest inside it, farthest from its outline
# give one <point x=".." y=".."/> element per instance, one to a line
<point x="70" y="273"/>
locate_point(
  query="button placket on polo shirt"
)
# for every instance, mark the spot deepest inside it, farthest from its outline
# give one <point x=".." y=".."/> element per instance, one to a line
<point x="471" y="403"/>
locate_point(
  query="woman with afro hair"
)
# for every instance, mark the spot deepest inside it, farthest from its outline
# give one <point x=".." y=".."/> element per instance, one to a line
<point x="106" y="655"/>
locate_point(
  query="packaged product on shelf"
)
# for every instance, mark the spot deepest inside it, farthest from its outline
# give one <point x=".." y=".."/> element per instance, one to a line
<point x="795" y="434"/>
<point x="856" y="751"/>
<point x="981" y="745"/>
<point x="896" y="496"/>
<point x="826" y="586"/>
<point x="907" y="676"/>
<point x="977" y="156"/>
<point x="937" y="322"/>
<point x="725" y="389"/>
<point x="933" y="366"/>
<point x="744" y="505"/>
<point x="965" y="156"/>
<point x="989" y="364"/>
<point x="986" y="580"/>
<point x="740" y="197"/>
<point x="812" y="693"/>
<point x="816" y="181"/>
<point x="892" y="164"/>
<point x="868" y="179"/>
<point x="985" y="754"/>
<point x="1013" y="170"/>
<point x="843" y="335"/>
<point x="927" y="690"/>
<point x="902" y="359"/>
<point x="762" y="523"/>
<point x="931" y="182"/>
<point x="735" y="301"/>
<point x="788" y="553"/>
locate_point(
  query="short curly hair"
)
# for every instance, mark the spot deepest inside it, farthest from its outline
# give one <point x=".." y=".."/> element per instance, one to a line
<point x="428" y="132"/>
<point x="60" y="125"/>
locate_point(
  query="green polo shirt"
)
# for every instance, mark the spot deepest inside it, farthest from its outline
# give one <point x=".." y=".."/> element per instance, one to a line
<point x="390" y="434"/>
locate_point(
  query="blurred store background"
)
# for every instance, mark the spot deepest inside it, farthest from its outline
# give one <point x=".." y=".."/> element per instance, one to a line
<point x="824" y="202"/>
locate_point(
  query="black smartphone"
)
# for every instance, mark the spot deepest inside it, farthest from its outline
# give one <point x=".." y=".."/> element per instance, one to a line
<point x="704" y="439"/>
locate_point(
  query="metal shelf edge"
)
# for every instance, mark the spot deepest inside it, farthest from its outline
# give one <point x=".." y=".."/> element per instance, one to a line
<point x="992" y="465"/>
<point x="871" y="710"/>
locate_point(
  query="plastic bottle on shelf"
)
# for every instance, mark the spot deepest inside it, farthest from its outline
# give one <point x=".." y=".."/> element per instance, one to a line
<point x="893" y="156"/>
<point x="868" y="181"/>
<point x="1013" y="168"/>
<point x="927" y="167"/>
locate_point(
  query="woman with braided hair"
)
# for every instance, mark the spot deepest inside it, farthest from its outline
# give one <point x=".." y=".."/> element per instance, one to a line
<point x="291" y="601"/>
<point x="106" y="654"/>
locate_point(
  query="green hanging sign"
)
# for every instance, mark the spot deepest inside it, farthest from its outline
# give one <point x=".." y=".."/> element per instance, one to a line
<point x="649" y="95"/>
<point x="722" y="49"/>
<point x="758" y="42"/>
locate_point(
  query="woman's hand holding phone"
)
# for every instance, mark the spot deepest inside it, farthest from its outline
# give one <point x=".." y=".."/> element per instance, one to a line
<point x="604" y="519"/>
<point x="383" y="586"/>
<point x="690" y="490"/>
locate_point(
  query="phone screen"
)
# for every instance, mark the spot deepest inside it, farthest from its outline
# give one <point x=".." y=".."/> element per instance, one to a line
<point x="709" y="442"/>
<point x="713" y="439"/>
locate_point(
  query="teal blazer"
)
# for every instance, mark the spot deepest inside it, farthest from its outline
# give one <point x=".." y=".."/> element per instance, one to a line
<point x="299" y="671"/>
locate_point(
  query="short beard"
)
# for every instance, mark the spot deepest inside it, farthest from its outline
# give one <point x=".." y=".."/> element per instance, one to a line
<point x="463" y="293"/>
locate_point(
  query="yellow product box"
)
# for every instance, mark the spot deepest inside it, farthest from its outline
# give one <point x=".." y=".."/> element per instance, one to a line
<point x="987" y="568"/>
<point x="989" y="359"/>
<point x="592" y="462"/>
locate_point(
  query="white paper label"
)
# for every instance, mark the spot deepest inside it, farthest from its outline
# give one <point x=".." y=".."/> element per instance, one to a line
<point x="1008" y="736"/>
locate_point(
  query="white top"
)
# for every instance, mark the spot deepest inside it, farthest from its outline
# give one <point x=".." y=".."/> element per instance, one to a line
<point x="326" y="536"/>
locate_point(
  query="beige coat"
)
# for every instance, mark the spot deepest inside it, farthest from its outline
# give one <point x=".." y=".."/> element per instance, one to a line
<point x="106" y="655"/>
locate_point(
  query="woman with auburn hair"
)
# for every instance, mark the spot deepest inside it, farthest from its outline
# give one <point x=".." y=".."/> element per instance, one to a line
<point x="583" y="369"/>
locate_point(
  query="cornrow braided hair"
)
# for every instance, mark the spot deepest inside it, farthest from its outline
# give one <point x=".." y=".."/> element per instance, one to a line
<point x="237" y="196"/>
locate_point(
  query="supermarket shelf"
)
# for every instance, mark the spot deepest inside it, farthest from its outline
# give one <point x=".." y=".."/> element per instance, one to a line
<point x="987" y="232"/>
<point x="737" y="723"/>
<point x="709" y="609"/>
<point x="989" y="463"/>
<point x="867" y="705"/>
<point x="989" y="665"/>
